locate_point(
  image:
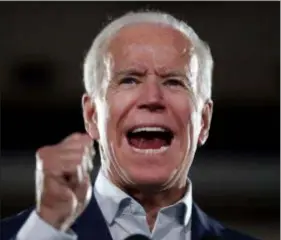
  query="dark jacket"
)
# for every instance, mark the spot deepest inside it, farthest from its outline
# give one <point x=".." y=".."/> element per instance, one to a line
<point x="91" y="225"/>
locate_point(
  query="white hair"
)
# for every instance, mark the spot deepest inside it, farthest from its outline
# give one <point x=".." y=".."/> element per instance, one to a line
<point x="94" y="64"/>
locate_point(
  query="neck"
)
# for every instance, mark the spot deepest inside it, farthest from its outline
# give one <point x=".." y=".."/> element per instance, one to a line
<point x="152" y="202"/>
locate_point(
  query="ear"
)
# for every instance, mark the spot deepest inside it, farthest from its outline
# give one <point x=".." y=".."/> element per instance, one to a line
<point x="90" y="116"/>
<point x="207" y="113"/>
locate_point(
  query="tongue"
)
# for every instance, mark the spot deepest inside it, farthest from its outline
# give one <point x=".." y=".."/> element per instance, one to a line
<point x="143" y="143"/>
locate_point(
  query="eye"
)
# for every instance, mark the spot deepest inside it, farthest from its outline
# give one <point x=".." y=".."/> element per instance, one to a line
<point x="129" y="80"/>
<point x="174" y="82"/>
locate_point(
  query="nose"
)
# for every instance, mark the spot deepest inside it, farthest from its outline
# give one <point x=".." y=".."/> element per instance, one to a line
<point x="152" y="96"/>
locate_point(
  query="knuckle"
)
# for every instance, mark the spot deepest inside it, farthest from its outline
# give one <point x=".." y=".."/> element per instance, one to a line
<point x="42" y="150"/>
<point x="72" y="137"/>
<point x="42" y="154"/>
<point x="76" y="135"/>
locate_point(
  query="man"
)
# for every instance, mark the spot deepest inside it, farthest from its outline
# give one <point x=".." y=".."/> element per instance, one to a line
<point x="148" y="103"/>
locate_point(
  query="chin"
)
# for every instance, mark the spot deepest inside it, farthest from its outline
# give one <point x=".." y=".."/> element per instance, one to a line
<point x="149" y="177"/>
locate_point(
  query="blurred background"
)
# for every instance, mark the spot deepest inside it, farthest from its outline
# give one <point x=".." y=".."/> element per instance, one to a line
<point x="235" y="175"/>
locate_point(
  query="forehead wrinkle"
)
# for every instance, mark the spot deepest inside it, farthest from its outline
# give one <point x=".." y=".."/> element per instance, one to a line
<point x="128" y="48"/>
<point x="138" y="34"/>
<point x="132" y="64"/>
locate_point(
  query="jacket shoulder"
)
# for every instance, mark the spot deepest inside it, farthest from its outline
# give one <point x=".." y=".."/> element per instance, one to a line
<point x="214" y="229"/>
<point x="233" y="234"/>
<point x="11" y="225"/>
<point x="228" y="233"/>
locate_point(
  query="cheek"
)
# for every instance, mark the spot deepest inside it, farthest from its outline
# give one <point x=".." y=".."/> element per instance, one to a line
<point x="188" y="121"/>
<point x="120" y="103"/>
<point x="183" y="108"/>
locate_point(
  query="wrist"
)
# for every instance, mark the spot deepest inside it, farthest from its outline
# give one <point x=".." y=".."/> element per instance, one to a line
<point x="61" y="223"/>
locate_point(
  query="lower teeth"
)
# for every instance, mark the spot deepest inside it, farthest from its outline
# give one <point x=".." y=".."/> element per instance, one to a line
<point x="151" y="151"/>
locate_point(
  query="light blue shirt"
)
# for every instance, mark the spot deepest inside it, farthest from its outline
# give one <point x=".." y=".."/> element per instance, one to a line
<point x="124" y="216"/>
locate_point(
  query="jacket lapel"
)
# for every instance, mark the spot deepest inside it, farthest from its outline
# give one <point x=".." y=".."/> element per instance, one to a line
<point x="91" y="224"/>
<point x="203" y="228"/>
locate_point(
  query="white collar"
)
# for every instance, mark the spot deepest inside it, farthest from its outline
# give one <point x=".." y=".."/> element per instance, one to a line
<point x="111" y="198"/>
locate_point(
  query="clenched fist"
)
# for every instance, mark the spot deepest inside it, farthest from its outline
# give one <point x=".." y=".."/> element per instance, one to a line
<point x="63" y="185"/>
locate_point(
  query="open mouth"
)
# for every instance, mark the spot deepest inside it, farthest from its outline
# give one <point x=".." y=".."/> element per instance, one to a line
<point x="153" y="139"/>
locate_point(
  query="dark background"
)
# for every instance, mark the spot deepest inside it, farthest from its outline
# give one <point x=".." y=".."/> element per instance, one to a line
<point x="235" y="175"/>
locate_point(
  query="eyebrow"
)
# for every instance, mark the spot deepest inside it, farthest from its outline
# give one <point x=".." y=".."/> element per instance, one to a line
<point x="172" y="74"/>
<point x="176" y="73"/>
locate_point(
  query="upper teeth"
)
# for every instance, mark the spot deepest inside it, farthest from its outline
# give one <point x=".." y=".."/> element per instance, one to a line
<point x="149" y="129"/>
